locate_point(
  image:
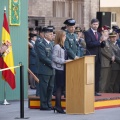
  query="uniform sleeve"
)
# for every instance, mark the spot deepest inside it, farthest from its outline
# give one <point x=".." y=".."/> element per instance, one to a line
<point x="40" y="49"/>
<point x="70" y="53"/>
<point x="117" y="59"/>
<point x="32" y="52"/>
<point x="107" y="54"/>
<point x="57" y="56"/>
<point x="89" y="42"/>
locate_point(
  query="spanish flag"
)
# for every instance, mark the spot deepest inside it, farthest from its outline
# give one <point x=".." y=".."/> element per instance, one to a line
<point x="6" y="60"/>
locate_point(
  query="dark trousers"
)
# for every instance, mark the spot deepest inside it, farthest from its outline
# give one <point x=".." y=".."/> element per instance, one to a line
<point x="114" y="83"/>
<point x="37" y="87"/>
<point x="97" y="75"/>
<point x="46" y="86"/>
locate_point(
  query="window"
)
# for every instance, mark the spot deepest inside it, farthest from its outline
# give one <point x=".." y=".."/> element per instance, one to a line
<point x="113" y="19"/>
<point x="58" y="9"/>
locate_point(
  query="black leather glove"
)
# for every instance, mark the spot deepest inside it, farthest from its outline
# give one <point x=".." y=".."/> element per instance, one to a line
<point x="102" y="44"/>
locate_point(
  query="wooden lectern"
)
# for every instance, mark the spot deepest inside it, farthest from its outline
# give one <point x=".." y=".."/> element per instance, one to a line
<point x="80" y="85"/>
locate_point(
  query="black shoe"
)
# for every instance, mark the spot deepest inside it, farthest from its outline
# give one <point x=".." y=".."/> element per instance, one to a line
<point x="37" y="95"/>
<point x="47" y="109"/>
<point x="32" y="87"/>
<point x="51" y="107"/>
<point x="59" y="110"/>
<point x="97" y="94"/>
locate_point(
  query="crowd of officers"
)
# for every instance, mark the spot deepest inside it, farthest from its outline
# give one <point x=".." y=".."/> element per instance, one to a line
<point x="50" y="49"/>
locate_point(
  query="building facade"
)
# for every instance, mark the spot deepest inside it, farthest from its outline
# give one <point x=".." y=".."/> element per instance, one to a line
<point x="54" y="12"/>
<point x="113" y="7"/>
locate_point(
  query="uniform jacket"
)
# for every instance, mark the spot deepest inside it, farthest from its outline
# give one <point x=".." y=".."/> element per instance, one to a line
<point x="32" y="54"/>
<point x="116" y="49"/>
<point x="44" y="52"/>
<point x="58" y="57"/>
<point x="106" y="55"/>
<point x="71" y="45"/>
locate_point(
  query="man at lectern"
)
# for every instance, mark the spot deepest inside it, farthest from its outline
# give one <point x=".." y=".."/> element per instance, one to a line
<point x="93" y="45"/>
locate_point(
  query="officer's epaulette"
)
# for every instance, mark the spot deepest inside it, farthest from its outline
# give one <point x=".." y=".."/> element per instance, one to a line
<point x="40" y="42"/>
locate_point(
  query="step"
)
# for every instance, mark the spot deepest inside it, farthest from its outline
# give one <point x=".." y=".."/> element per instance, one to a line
<point x="106" y="100"/>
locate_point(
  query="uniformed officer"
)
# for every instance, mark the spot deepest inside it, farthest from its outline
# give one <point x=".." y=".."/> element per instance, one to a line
<point x="63" y="28"/>
<point x="32" y="60"/>
<point x="71" y="39"/>
<point x="41" y="33"/>
<point x="52" y="27"/>
<point x="81" y="42"/>
<point x="118" y="37"/>
<point x="45" y="70"/>
<point x="114" y="28"/>
<point x="107" y="56"/>
<point x="114" y="83"/>
<point x="39" y="39"/>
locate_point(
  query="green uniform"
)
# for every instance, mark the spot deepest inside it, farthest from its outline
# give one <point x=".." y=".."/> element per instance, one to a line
<point x="71" y="45"/>
<point x="45" y="73"/>
<point x="106" y="56"/>
<point x="114" y="83"/>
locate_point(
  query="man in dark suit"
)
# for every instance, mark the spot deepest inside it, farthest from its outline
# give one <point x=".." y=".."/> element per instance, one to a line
<point x="45" y="71"/>
<point x="93" y="45"/>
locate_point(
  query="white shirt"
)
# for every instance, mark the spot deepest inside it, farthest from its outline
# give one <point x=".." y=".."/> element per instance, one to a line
<point x="33" y="41"/>
<point x="93" y="31"/>
<point x="47" y="41"/>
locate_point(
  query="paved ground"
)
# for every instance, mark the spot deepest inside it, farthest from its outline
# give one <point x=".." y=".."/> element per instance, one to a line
<point x="9" y="112"/>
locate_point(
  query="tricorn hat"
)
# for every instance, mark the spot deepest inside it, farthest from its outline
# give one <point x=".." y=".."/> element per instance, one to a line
<point x="70" y="22"/>
<point x="48" y="29"/>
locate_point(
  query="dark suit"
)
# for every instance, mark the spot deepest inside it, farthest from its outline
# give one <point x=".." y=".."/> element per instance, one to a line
<point x="45" y="72"/>
<point x="93" y="48"/>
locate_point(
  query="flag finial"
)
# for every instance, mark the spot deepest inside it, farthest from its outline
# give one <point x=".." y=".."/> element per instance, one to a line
<point x="4" y="8"/>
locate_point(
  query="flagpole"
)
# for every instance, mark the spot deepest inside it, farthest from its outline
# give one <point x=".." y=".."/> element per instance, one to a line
<point x="5" y="101"/>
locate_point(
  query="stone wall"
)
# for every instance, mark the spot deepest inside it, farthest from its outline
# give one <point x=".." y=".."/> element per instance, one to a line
<point x="90" y="9"/>
<point x="82" y="10"/>
<point x="40" y="8"/>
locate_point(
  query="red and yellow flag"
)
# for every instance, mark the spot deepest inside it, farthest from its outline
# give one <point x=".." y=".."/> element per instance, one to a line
<point x="7" y="60"/>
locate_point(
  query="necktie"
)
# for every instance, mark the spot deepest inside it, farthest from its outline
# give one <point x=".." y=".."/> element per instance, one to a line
<point x="96" y="35"/>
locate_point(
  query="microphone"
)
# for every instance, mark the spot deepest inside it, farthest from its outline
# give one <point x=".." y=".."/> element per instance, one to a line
<point x="88" y="51"/>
